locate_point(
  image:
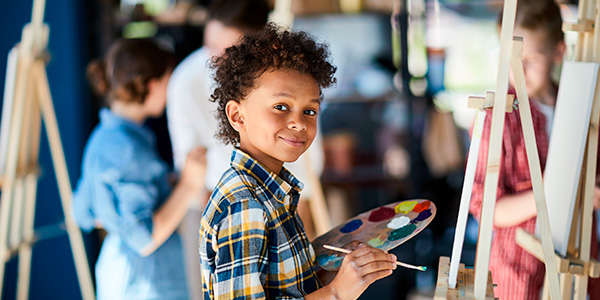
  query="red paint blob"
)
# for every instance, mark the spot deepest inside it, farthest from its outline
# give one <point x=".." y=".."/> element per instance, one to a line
<point x="421" y="206"/>
<point x="382" y="214"/>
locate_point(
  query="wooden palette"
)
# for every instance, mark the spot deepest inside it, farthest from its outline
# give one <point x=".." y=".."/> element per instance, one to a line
<point x="385" y="228"/>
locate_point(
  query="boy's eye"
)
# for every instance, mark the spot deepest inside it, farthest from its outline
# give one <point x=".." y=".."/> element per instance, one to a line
<point x="310" y="112"/>
<point x="281" y="107"/>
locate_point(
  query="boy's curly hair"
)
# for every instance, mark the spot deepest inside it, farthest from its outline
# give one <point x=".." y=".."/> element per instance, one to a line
<point x="268" y="49"/>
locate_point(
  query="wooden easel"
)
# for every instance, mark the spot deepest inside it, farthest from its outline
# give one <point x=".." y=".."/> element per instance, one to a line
<point x="480" y="286"/>
<point x="31" y="102"/>
<point x="577" y="263"/>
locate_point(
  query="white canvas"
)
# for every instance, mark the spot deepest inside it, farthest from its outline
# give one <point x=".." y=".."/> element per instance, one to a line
<point x="567" y="147"/>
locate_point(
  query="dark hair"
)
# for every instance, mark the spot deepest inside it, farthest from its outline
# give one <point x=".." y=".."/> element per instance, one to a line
<point x="246" y="15"/>
<point x="540" y="16"/>
<point x="127" y="68"/>
<point x="269" y="49"/>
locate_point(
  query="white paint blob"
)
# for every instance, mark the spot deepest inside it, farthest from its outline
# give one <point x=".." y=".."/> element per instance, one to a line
<point x="398" y="222"/>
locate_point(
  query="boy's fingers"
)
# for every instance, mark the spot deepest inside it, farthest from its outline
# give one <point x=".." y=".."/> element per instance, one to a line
<point x="376" y="276"/>
<point x="353" y="245"/>
<point x="370" y="251"/>
<point x="361" y="251"/>
<point x="371" y="257"/>
<point x="375" y="267"/>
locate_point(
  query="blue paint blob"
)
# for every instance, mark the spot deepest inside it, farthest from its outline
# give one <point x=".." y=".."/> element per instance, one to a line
<point x="351" y="226"/>
<point x="329" y="262"/>
<point x="323" y="260"/>
<point x="338" y="263"/>
<point x="423" y="215"/>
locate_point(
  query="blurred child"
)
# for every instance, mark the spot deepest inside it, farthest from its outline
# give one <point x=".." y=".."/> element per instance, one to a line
<point x="252" y="242"/>
<point x="124" y="188"/>
<point x="518" y="274"/>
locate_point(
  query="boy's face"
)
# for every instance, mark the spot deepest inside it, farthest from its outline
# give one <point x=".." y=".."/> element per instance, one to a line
<point x="277" y="121"/>
<point x="538" y="59"/>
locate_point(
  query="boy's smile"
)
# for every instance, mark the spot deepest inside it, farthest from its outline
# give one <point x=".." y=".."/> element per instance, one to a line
<point x="277" y="121"/>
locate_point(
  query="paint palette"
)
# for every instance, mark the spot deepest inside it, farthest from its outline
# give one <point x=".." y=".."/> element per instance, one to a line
<point x="385" y="227"/>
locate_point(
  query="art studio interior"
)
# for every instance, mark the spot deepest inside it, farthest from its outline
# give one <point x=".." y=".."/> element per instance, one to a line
<point x="281" y="149"/>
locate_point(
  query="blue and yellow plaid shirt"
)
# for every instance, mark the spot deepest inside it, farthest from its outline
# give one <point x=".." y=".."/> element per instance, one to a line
<point x="252" y="242"/>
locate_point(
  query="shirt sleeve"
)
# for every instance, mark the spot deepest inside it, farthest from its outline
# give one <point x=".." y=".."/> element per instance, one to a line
<point x="183" y="113"/>
<point x="82" y="209"/>
<point x="125" y="208"/>
<point x="241" y="252"/>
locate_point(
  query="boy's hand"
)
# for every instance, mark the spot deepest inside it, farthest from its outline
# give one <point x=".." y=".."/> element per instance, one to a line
<point x="359" y="269"/>
<point x="195" y="168"/>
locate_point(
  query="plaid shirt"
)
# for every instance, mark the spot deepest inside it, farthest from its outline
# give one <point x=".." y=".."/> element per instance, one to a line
<point x="252" y="242"/>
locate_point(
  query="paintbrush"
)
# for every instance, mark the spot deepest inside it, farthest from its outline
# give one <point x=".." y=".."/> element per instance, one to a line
<point x="420" y="268"/>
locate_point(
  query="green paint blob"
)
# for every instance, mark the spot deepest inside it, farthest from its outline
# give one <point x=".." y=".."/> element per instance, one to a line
<point x="402" y="232"/>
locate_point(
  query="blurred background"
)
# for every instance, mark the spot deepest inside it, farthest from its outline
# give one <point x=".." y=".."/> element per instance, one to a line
<point x="395" y="126"/>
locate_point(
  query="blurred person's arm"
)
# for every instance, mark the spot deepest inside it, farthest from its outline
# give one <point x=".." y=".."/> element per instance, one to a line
<point x="181" y="105"/>
<point x="170" y="214"/>
<point x="512" y="210"/>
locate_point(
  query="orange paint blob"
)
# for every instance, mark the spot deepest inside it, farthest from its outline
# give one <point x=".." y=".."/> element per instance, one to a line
<point x="421" y="206"/>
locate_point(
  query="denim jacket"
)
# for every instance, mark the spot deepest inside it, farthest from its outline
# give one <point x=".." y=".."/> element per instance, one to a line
<point x="123" y="182"/>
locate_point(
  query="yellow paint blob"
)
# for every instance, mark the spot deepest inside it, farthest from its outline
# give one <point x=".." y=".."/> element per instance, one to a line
<point x="406" y="206"/>
<point x="376" y="242"/>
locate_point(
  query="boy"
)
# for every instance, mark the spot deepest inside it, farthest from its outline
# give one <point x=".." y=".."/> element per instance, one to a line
<point x="191" y="116"/>
<point x="252" y="242"/>
<point x="518" y="274"/>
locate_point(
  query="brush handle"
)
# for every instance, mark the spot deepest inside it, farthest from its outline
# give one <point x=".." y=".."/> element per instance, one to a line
<point x="420" y="268"/>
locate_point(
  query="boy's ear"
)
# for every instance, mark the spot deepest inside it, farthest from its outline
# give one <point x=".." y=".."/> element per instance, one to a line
<point x="235" y="115"/>
<point x="150" y="87"/>
<point x="559" y="52"/>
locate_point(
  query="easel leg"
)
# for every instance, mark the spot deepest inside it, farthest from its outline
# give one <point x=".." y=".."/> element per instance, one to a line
<point x="535" y="169"/>
<point x="318" y="207"/>
<point x="465" y="199"/>
<point x="62" y="176"/>
<point x="566" y="285"/>
<point x="30" y="183"/>
<point x="484" y="240"/>
<point x="15" y="234"/>
<point x="546" y="289"/>
<point x="7" y="198"/>
<point x="581" y="282"/>
<point x="5" y="207"/>
<point x="25" y="251"/>
<point x="572" y="247"/>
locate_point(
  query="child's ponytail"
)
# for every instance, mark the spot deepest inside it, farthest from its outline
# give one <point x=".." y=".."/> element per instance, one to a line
<point x="96" y="75"/>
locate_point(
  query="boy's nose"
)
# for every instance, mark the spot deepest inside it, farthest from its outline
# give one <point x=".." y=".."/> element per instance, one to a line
<point x="297" y="123"/>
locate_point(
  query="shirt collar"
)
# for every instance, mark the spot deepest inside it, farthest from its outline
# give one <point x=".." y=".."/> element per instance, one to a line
<point x="278" y="185"/>
<point x="111" y="120"/>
